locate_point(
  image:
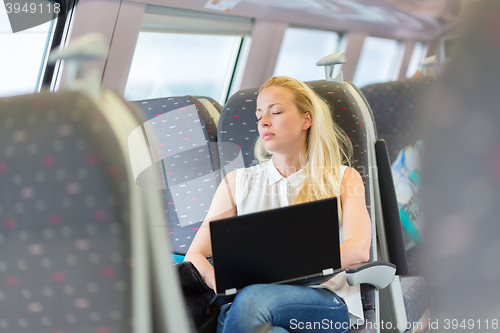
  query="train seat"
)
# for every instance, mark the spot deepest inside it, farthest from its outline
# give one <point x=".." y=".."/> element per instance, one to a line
<point x="394" y="105"/>
<point x="414" y="288"/>
<point x="238" y="132"/>
<point x="405" y="300"/>
<point x="407" y="296"/>
<point x="81" y="242"/>
<point x="67" y="221"/>
<point x="184" y="129"/>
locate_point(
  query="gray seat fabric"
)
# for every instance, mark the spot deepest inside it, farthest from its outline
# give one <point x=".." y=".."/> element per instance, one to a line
<point x="395" y="108"/>
<point x="462" y="175"/>
<point x="416" y="297"/>
<point x="394" y="105"/>
<point x="64" y="211"/>
<point x="238" y="127"/>
<point x="189" y="189"/>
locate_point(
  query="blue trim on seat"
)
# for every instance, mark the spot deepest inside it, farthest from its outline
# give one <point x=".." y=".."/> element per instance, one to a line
<point x="177" y="258"/>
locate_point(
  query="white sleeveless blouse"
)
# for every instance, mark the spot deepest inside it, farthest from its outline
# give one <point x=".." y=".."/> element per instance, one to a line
<point x="262" y="187"/>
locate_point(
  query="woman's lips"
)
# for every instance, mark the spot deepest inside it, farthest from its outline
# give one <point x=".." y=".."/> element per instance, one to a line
<point x="267" y="135"/>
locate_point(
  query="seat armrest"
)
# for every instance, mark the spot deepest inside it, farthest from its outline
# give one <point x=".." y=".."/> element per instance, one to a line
<point x="377" y="273"/>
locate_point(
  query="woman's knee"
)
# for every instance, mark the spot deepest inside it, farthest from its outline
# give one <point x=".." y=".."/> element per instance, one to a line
<point x="256" y="294"/>
<point x="258" y="299"/>
<point x="249" y="308"/>
<point x="277" y="296"/>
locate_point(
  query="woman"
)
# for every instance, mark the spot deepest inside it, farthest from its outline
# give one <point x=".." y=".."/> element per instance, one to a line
<point x="301" y="152"/>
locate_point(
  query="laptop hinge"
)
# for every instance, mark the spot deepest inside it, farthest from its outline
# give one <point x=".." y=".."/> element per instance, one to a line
<point x="231" y="291"/>
<point x="328" y="271"/>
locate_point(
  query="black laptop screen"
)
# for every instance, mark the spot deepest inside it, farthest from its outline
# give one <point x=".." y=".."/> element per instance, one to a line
<point x="276" y="245"/>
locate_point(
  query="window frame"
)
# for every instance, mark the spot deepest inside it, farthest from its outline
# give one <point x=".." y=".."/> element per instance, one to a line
<point x="59" y="37"/>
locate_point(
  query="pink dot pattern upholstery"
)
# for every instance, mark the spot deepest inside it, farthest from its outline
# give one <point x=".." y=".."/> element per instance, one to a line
<point x="190" y="172"/>
<point x="395" y="106"/>
<point x="65" y="258"/>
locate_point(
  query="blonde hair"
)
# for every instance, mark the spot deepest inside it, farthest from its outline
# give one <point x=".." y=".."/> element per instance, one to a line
<point x="327" y="146"/>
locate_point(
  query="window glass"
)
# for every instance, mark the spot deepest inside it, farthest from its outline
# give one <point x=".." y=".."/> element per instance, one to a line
<point x="174" y="64"/>
<point x="377" y="61"/>
<point x="419" y="52"/>
<point x="23" y="56"/>
<point x="301" y="49"/>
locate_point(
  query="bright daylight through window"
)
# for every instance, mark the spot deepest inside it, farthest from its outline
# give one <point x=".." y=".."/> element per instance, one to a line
<point x="301" y="49"/>
<point x="23" y="56"/>
<point x="176" y="64"/>
<point x="377" y="61"/>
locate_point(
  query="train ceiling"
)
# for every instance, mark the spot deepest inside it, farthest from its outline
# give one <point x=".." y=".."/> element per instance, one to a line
<point x="389" y="12"/>
<point x="411" y="19"/>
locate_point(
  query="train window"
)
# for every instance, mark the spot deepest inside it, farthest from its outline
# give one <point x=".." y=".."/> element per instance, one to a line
<point x="301" y="49"/>
<point x="23" y="57"/>
<point x="419" y="52"/>
<point x="169" y="64"/>
<point x="182" y="52"/>
<point x="378" y="61"/>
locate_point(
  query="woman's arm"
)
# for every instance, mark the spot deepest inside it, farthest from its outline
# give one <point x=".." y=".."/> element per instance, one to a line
<point x="223" y="206"/>
<point x="357" y="228"/>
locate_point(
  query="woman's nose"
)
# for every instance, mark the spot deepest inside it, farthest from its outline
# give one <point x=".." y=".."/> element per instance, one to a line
<point x="264" y="121"/>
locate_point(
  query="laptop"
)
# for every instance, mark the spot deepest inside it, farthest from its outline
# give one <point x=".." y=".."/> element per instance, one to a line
<point x="297" y="244"/>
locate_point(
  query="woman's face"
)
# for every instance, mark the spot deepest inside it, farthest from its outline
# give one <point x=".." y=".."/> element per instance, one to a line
<point x="282" y="127"/>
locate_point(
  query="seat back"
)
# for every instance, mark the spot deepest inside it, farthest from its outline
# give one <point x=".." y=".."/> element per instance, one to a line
<point x="237" y="134"/>
<point x="182" y="135"/>
<point x="65" y="212"/>
<point x="395" y="106"/>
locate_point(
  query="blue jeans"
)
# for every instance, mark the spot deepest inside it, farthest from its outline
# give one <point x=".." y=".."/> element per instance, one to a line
<point x="287" y="308"/>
